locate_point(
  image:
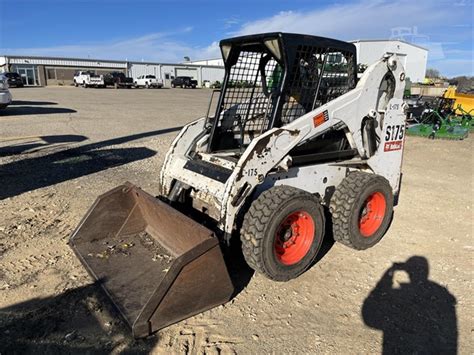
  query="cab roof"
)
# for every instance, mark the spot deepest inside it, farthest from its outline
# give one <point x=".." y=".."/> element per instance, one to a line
<point x="290" y="41"/>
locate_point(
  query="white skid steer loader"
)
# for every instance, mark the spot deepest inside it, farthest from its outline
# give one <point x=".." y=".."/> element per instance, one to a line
<point x="296" y="138"/>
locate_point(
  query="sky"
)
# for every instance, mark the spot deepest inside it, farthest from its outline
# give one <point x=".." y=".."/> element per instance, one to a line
<point x="166" y="30"/>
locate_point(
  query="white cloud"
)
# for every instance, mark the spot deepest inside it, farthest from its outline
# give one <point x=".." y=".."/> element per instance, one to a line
<point x="363" y="19"/>
<point x="231" y="22"/>
<point x="151" y="47"/>
<point x="359" y="19"/>
<point x="376" y="19"/>
<point x="454" y="67"/>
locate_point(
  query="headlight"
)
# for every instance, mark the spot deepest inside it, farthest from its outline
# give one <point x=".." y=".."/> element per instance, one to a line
<point x="3" y="84"/>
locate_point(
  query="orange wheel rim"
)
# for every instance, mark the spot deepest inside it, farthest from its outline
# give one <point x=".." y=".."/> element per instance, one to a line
<point x="372" y="214"/>
<point x="294" y="237"/>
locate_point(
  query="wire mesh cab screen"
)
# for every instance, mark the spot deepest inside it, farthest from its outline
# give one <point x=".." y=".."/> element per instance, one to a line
<point x="266" y="87"/>
<point x="317" y="76"/>
<point x="252" y="86"/>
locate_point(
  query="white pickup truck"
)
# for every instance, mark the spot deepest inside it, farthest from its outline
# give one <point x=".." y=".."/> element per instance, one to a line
<point x="5" y="96"/>
<point x="88" y="78"/>
<point x="148" y="81"/>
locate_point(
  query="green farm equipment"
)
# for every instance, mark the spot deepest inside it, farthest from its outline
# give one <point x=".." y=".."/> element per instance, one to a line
<point x="443" y="123"/>
<point x="465" y="119"/>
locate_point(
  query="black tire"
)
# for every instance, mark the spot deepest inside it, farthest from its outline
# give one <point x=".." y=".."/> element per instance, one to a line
<point x="75" y="84"/>
<point x="349" y="208"/>
<point x="262" y="226"/>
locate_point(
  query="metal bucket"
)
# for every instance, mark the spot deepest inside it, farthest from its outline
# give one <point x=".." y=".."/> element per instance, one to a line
<point x="157" y="265"/>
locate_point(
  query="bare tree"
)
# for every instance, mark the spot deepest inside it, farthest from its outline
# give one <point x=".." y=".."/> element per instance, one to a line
<point x="432" y="73"/>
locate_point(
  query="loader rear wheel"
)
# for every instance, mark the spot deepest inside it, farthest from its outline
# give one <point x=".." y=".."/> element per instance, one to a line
<point x="361" y="208"/>
<point x="282" y="232"/>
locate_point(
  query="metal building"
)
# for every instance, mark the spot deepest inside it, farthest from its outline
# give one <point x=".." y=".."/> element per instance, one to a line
<point x="215" y="62"/>
<point x="42" y="71"/>
<point x="413" y="57"/>
<point x="168" y="72"/>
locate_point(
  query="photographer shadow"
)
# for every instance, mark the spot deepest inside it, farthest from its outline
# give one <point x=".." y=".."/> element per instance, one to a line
<point x="416" y="317"/>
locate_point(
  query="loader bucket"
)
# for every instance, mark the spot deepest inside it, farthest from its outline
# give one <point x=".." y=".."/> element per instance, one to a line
<point x="157" y="265"/>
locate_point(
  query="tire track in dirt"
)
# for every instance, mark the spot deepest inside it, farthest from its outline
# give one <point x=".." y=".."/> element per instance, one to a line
<point x="17" y="272"/>
<point x="192" y="339"/>
<point x="33" y="241"/>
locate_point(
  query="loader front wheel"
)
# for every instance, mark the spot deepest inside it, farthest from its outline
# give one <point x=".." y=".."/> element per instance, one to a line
<point x="361" y="208"/>
<point x="282" y="232"/>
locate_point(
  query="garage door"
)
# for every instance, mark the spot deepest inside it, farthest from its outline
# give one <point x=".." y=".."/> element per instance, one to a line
<point x="187" y="72"/>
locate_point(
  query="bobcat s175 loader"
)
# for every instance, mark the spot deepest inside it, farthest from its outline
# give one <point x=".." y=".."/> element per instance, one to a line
<point x="296" y="138"/>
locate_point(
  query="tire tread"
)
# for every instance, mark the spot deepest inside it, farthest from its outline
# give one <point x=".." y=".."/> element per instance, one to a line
<point x="258" y="217"/>
<point x="342" y="203"/>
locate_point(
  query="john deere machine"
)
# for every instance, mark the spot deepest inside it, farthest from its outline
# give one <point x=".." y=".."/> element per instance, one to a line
<point x="441" y="119"/>
<point x="296" y="139"/>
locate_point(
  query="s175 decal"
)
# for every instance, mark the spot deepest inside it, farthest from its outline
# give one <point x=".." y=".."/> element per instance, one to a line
<point x="394" y="137"/>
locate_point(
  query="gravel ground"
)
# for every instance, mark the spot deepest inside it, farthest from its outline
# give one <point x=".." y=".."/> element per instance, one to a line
<point x="349" y="302"/>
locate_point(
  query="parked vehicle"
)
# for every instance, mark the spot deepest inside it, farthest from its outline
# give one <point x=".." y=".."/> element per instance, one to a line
<point x="118" y="79"/>
<point x="184" y="82"/>
<point x="14" y="79"/>
<point x="88" y="78"/>
<point x="148" y="81"/>
<point x="5" y="95"/>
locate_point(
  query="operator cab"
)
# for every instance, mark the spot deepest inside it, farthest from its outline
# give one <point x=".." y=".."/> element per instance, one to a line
<point x="274" y="78"/>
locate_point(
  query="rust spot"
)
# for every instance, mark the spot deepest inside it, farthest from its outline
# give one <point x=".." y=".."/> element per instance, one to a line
<point x="260" y="150"/>
<point x="264" y="153"/>
<point x="262" y="144"/>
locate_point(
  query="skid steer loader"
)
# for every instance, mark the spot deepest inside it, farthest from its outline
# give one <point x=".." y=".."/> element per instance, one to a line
<point x="296" y="138"/>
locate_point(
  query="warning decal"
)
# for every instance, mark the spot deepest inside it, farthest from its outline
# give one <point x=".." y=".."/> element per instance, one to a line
<point x="320" y="118"/>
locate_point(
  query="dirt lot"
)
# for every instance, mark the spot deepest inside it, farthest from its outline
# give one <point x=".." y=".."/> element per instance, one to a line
<point x="349" y="302"/>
